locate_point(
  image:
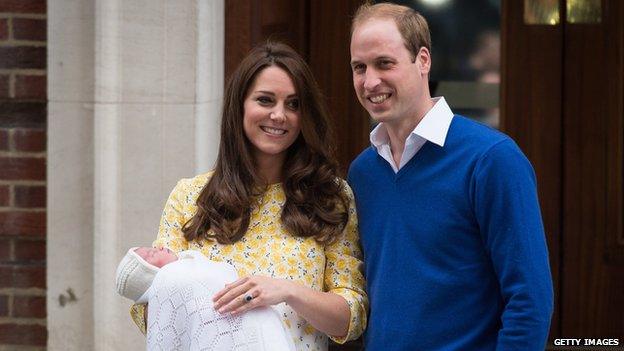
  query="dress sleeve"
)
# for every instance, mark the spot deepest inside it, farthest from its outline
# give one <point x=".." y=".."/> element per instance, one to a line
<point x="173" y="218"/>
<point x="137" y="313"/>
<point x="344" y="273"/>
<point x="169" y="235"/>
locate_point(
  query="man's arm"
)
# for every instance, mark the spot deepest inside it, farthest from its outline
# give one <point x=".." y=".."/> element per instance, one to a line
<point x="508" y="213"/>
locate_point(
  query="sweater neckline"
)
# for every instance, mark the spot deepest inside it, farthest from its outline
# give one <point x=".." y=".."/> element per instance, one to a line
<point x="416" y="159"/>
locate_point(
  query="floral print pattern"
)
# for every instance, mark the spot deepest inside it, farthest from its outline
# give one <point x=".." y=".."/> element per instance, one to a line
<point x="268" y="249"/>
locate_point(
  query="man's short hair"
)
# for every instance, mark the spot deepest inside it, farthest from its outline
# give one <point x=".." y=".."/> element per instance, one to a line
<point x="411" y="24"/>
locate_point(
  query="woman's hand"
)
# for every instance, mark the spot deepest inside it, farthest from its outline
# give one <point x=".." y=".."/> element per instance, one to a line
<point x="325" y="311"/>
<point x="251" y="292"/>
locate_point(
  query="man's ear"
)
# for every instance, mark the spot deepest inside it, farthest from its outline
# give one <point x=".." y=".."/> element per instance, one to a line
<point x="423" y="60"/>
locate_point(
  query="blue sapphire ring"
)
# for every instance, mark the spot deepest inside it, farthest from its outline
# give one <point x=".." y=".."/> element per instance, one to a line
<point x="248" y="298"/>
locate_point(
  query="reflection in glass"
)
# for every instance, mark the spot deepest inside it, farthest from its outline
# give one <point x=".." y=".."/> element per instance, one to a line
<point x="583" y="11"/>
<point x="465" y="54"/>
<point x="544" y="12"/>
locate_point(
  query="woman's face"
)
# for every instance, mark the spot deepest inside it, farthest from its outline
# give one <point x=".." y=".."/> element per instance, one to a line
<point x="271" y="116"/>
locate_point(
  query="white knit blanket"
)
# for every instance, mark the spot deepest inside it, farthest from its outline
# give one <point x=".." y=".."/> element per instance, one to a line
<point x="181" y="314"/>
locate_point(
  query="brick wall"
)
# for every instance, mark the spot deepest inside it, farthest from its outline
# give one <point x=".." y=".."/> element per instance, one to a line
<point x="22" y="174"/>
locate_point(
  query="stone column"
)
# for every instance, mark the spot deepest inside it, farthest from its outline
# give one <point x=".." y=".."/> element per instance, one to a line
<point x="135" y="92"/>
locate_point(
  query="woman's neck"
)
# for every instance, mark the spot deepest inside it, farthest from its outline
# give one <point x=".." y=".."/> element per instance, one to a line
<point x="269" y="168"/>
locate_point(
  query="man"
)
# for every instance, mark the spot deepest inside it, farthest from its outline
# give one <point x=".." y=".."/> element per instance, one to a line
<point x="450" y="224"/>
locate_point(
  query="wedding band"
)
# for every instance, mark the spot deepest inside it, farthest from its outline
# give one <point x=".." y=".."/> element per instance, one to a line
<point x="248" y="298"/>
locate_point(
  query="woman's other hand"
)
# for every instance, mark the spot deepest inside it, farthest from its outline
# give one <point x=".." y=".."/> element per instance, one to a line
<point x="251" y="292"/>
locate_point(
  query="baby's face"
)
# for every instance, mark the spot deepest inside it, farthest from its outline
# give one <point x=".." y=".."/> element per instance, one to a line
<point x="156" y="256"/>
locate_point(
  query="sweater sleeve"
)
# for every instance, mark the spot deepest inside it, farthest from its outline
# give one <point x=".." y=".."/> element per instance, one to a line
<point x="344" y="276"/>
<point x="507" y="210"/>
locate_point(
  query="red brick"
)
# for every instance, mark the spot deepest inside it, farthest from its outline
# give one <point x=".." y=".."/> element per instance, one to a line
<point x="4" y="86"/>
<point x="5" y="195"/>
<point x="30" y="196"/>
<point x="22" y="114"/>
<point x="4" y="139"/>
<point x="23" y="223"/>
<point x="29" y="140"/>
<point x="4" y="306"/>
<point x="29" y="306"/>
<point x="30" y="87"/>
<point x="4" y="29"/>
<point x="5" y="250"/>
<point x="23" y="6"/>
<point x="30" y="250"/>
<point x="29" y="29"/>
<point x="23" y="334"/>
<point x="6" y="276"/>
<point x="30" y="276"/>
<point x="22" y="168"/>
<point x="22" y="57"/>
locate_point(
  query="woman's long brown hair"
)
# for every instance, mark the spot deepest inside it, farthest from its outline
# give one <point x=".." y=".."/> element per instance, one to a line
<point x="316" y="204"/>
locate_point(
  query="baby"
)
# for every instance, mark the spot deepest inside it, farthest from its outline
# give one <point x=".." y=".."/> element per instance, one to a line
<point x="137" y="270"/>
<point x="179" y="290"/>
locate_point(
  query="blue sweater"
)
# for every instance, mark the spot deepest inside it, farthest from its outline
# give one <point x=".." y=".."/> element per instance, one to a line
<point x="454" y="246"/>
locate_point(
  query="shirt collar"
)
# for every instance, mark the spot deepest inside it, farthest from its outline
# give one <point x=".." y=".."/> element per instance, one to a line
<point x="379" y="136"/>
<point x="433" y="126"/>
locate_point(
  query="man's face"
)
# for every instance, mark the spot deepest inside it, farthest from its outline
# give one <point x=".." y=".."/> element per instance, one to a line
<point x="156" y="256"/>
<point x="389" y="82"/>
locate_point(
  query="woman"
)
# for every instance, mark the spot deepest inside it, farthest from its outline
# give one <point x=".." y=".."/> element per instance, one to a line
<point x="274" y="207"/>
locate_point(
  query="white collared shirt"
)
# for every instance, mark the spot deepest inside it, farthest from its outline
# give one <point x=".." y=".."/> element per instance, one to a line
<point x="433" y="127"/>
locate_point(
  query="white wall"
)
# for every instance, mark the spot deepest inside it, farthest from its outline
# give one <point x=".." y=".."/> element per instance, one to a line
<point x="135" y="88"/>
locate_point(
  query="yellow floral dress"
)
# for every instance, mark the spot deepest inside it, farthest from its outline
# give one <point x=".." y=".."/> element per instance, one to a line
<point x="268" y="249"/>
